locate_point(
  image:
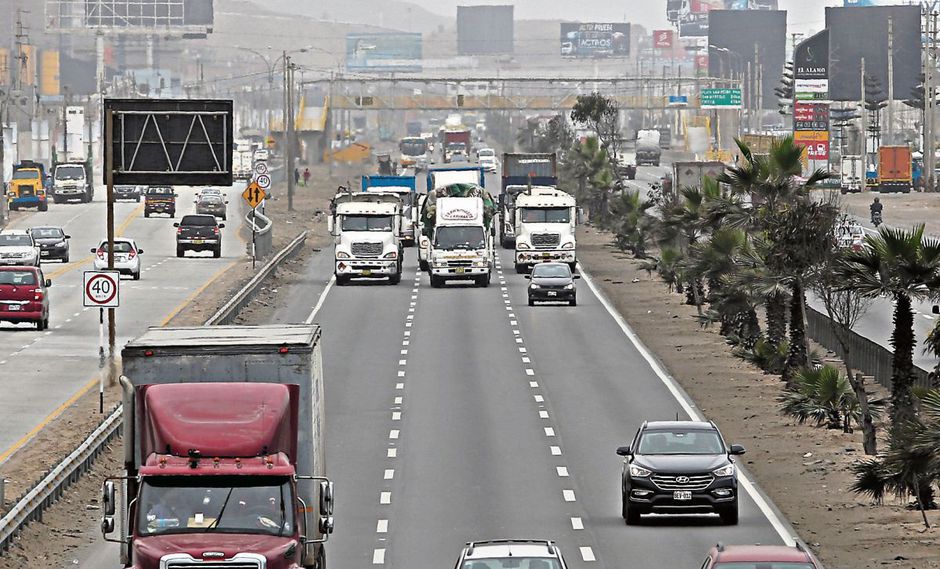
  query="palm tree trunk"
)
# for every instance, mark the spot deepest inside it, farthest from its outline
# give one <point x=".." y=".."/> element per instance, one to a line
<point x="857" y="381"/>
<point x="797" y="357"/>
<point x="902" y="365"/>
<point x="776" y="314"/>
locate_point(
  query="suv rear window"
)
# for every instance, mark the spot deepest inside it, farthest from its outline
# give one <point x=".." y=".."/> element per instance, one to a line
<point x="17" y="278"/>
<point x="199" y="220"/>
<point x="159" y="191"/>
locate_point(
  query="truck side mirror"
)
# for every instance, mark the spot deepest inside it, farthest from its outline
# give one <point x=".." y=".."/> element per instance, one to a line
<point x="326" y="525"/>
<point x="107" y="525"/>
<point x="107" y="500"/>
<point x="326" y="498"/>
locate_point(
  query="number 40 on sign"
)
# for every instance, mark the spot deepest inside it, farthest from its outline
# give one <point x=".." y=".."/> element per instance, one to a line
<point x="102" y="289"/>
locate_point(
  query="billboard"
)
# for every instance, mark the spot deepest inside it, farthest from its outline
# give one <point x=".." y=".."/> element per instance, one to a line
<point x="194" y="16"/>
<point x="485" y="30"/>
<point x="49" y="73"/>
<point x="662" y="39"/>
<point x="390" y="52"/>
<point x="692" y="15"/>
<point x="856" y="33"/>
<point x="595" y="39"/>
<point x="755" y="39"/>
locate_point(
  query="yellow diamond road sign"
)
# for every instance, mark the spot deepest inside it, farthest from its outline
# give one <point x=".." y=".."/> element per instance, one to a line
<point x="253" y="195"/>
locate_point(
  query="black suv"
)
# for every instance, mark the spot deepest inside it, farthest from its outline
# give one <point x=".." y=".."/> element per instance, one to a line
<point x="679" y="467"/>
<point x="199" y="233"/>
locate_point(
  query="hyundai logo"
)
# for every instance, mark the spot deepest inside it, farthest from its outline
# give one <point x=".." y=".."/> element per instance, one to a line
<point x="682" y="479"/>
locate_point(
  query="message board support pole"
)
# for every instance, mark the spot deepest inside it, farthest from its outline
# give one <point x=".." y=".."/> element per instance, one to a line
<point x="109" y="179"/>
<point x="101" y="360"/>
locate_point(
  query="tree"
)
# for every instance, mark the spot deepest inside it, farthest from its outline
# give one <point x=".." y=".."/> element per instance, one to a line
<point x="905" y="266"/>
<point x="585" y="162"/>
<point x="824" y="397"/>
<point x="602" y="115"/>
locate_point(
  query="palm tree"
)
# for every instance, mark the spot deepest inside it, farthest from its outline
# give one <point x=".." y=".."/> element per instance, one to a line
<point x="632" y="225"/>
<point x="825" y="397"/>
<point x="586" y="160"/>
<point x="905" y="266"/>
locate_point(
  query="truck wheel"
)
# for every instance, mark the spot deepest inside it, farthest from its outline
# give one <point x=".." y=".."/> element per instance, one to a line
<point x="395" y="279"/>
<point x="146" y="213"/>
<point x="43" y="206"/>
<point x="483" y="281"/>
<point x="520" y="269"/>
<point x="321" y="558"/>
<point x="436" y="281"/>
<point x="423" y="265"/>
<point x="342" y="280"/>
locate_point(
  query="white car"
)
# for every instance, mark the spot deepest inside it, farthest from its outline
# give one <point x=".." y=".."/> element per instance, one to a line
<point x="489" y="163"/>
<point x="261" y="155"/>
<point x="17" y="247"/>
<point x="126" y="257"/>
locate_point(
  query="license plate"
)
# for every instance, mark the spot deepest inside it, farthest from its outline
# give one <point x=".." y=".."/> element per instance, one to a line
<point x="44" y="253"/>
<point x="682" y="495"/>
<point x="460" y="270"/>
<point x="367" y="272"/>
<point x="546" y="255"/>
<point x="552" y="293"/>
<point x="14" y="307"/>
<point x="198" y="241"/>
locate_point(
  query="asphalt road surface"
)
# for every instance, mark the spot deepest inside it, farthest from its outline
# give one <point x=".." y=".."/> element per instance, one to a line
<point x="41" y="371"/>
<point x="462" y="413"/>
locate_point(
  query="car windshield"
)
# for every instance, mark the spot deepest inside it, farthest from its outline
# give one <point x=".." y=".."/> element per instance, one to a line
<point x="681" y="442"/>
<point x="25" y="175"/>
<point x="487" y="153"/>
<point x="764" y="565"/>
<point x="513" y="563"/>
<point x="119" y="246"/>
<point x="15" y="241"/>
<point x="459" y="238"/>
<point x="545" y="215"/>
<point x="201" y="220"/>
<point x="223" y="504"/>
<point x="551" y="271"/>
<point x="69" y="173"/>
<point x="17" y="278"/>
<point x="46" y="232"/>
<point x="367" y="223"/>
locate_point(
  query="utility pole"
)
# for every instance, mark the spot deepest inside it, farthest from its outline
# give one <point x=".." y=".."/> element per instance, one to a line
<point x="288" y="131"/>
<point x="930" y="99"/>
<point x="864" y="137"/>
<point x="890" y="126"/>
<point x="331" y="127"/>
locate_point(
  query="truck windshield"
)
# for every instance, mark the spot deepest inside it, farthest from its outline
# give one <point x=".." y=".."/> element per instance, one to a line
<point x="415" y="147"/>
<point x="459" y="238"/>
<point x="25" y="174"/>
<point x="367" y="223"/>
<point x="15" y="240"/>
<point x="69" y="173"/>
<point x="223" y="504"/>
<point x="545" y="215"/>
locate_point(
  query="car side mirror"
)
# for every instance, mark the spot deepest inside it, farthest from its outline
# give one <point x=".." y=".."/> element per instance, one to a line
<point x="68" y="236"/>
<point x="528" y="277"/>
<point x="176" y="225"/>
<point x="624" y="451"/>
<point x="226" y="202"/>
<point x="176" y="195"/>
<point x="576" y="276"/>
<point x="736" y="450"/>
<point x="140" y="251"/>
<point x="221" y="225"/>
<point x="48" y="283"/>
<point x="93" y="250"/>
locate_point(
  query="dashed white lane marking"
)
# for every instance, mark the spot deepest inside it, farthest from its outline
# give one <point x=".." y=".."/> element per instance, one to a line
<point x="399" y="386"/>
<point x="402" y="362"/>
<point x="389" y="474"/>
<point x="385" y="498"/>
<point x="381" y="526"/>
<point x="543" y="414"/>
<point x="587" y="554"/>
<point x="529" y="371"/>
<point x="407" y="333"/>
<point x="526" y="360"/>
<point x="392" y="453"/>
<point x="577" y="524"/>
<point x="533" y="384"/>
<point x="406" y="342"/>
<point x="568" y="495"/>
<point x="539" y="398"/>
<point x="401" y="373"/>
<point x="549" y="432"/>
<point x="378" y="557"/>
<point x="404" y="352"/>
<point x="396" y="415"/>
<point x="562" y="471"/>
<point x="556" y="451"/>
<point x="398" y="400"/>
<point x="393" y="434"/>
<point x="523" y="350"/>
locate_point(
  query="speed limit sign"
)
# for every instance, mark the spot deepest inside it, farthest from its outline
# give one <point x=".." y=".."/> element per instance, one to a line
<point x="261" y="168"/>
<point x="102" y="289"/>
<point x="264" y="181"/>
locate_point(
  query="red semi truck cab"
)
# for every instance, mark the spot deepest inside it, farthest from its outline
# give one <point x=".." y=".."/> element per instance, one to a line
<point x="219" y="473"/>
<point x="456" y="141"/>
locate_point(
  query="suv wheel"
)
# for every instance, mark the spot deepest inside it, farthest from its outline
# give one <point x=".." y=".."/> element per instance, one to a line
<point x="179" y="251"/>
<point x="630" y="515"/>
<point x="729" y="514"/>
<point x="217" y="252"/>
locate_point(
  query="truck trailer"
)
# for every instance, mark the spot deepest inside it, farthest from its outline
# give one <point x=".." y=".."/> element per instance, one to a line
<point x="520" y="172"/>
<point x="223" y="450"/>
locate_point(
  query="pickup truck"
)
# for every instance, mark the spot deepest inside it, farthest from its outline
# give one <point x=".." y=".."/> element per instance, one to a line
<point x="199" y="233"/>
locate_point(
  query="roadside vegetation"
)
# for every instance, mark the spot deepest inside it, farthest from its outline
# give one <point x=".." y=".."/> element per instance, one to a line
<point x="745" y="249"/>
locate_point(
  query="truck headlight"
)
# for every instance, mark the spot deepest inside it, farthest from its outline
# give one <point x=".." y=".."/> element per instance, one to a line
<point x="342" y="255"/>
<point x="523" y="245"/>
<point x="724" y="471"/>
<point x="569" y="245"/>
<point x="390" y="255"/>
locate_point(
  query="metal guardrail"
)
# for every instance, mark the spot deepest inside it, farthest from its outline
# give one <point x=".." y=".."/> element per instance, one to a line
<point x="870" y="357"/>
<point x="31" y="505"/>
<point x="50" y="488"/>
<point x="262" y="234"/>
<point x="230" y="309"/>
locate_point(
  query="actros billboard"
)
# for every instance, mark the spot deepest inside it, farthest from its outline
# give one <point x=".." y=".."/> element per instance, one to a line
<point x="595" y="39"/>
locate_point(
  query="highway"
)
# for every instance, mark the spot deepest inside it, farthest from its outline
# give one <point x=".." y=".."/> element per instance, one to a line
<point x="41" y="371"/>
<point x="461" y="413"/>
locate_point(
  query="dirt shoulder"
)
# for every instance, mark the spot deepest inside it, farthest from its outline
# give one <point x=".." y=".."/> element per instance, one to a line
<point x="803" y="469"/>
<point x="72" y="523"/>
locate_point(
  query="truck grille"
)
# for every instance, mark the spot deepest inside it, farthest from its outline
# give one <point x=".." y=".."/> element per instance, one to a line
<point x="26" y="191"/>
<point x="682" y="481"/>
<point x="366" y="249"/>
<point x="239" y="561"/>
<point x="459" y="263"/>
<point x="546" y="240"/>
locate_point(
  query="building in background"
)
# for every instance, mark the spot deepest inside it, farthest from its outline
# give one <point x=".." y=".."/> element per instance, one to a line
<point x="384" y="52"/>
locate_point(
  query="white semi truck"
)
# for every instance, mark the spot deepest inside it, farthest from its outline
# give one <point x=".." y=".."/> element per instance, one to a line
<point x="545" y="224"/>
<point x="242" y="160"/>
<point x="461" y="242"/>
<point x="439" y="178"/>
<point x="365" y="228"/>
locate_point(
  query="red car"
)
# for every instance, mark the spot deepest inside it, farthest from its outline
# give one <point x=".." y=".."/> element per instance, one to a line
<point x="760" y="557"/>
<point x="24" y="296"/>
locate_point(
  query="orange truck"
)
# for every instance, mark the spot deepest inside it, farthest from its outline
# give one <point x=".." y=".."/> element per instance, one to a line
<point x="895" y="169"/>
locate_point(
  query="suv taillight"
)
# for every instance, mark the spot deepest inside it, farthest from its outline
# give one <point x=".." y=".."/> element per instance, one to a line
<point x="101" y="253"/>
<point x="215" y="230"/>
<point x="37" y="295"/>
<point x="179" y="231"/>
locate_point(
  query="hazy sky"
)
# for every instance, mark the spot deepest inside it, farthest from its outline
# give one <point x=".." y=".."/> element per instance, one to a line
<point x="803" y="15"/>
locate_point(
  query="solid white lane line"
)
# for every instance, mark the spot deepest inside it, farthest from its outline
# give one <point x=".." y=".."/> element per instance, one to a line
<point x="745" y="480"/>
<point x="321" y="300"/>
<point x="577" y="524"/>
<point x="389" y="473"/>
<point x="378" y="557"/>
<point x="381" y="526"/>
<point x="562" y="471"/>
<point x="568" y="495"/>
<point x="385" y="498"/>
<point x="587" y="554"/>
<point x="556" y="451"/>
